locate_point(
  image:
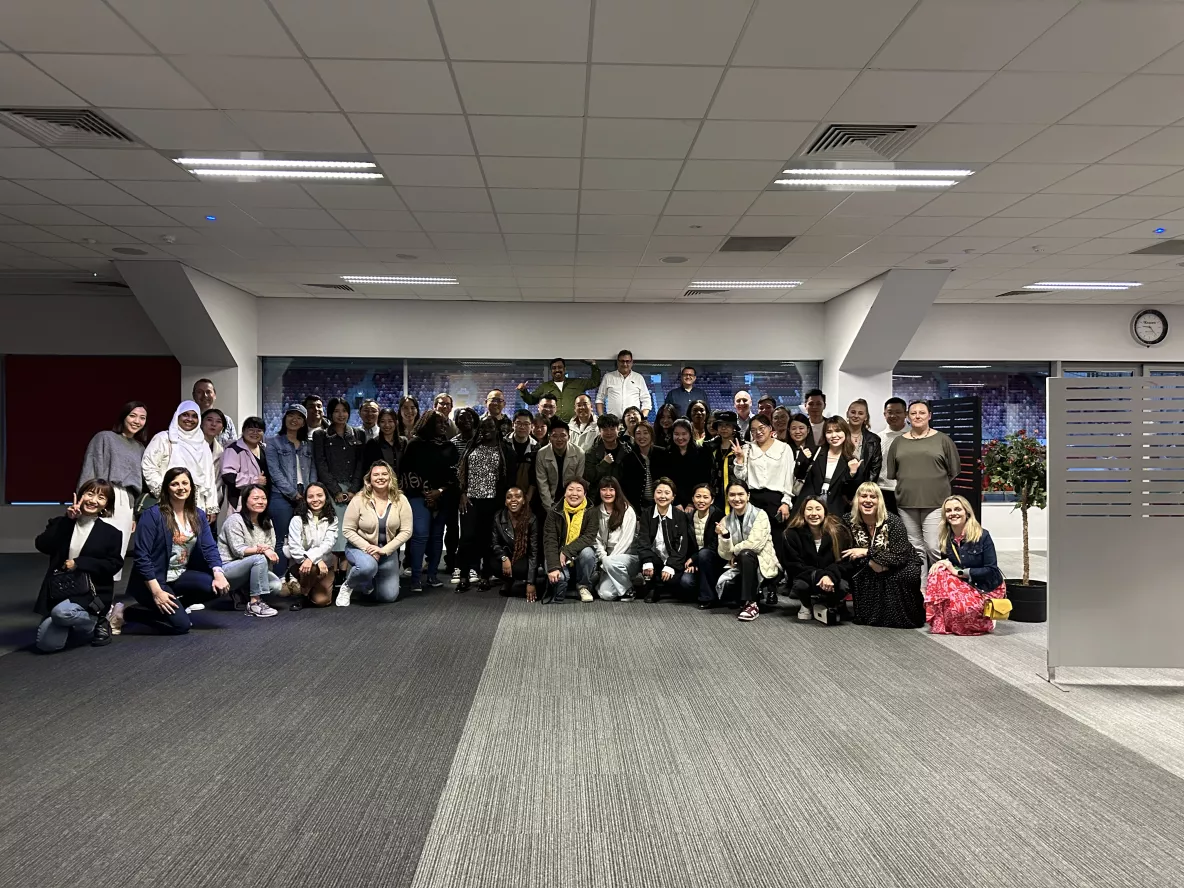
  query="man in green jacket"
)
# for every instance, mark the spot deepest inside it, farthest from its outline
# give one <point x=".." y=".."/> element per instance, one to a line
<point x="565" y="390"/>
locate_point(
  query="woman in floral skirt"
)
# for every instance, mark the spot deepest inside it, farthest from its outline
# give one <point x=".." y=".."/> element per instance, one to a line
<point x="968" y="574"/>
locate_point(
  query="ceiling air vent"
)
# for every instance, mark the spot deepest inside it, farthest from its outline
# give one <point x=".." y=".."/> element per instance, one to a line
<point x="702" y="293"/>
<point x="1162" y="248"/>
<point x="344" y="287"/>
<point x="1023" y="293"/>
<point x="755" y="244"/>
<point x="863" y="141"/>
<point x="65" y="127"/>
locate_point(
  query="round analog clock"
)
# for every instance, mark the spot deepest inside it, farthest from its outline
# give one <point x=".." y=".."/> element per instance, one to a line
<point x="1149" y="327"/>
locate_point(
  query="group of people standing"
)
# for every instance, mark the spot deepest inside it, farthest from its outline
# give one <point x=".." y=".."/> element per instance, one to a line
<point x="718" y="507"/>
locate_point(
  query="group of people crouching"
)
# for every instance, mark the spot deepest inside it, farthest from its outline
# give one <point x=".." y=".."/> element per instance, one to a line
<point x="719" y="555"/>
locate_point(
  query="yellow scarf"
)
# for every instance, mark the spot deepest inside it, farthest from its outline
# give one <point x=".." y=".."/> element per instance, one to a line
<point x="575" y="520"/>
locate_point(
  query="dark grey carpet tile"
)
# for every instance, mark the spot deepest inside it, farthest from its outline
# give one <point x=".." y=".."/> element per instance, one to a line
<point x="309" y="748"/>
<point x="20" y="578"/>
<point x="661" y="746"/>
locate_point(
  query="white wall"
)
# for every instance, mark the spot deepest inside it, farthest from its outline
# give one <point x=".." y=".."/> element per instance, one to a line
<point x="235" y="314"/>
<point x="387" y="327"/>
<point x="78" y="325"/>
<point x="1007" y="528"/>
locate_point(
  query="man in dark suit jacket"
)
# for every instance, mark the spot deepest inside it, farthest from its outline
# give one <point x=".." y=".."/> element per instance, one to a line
<point x="663" y="541"/>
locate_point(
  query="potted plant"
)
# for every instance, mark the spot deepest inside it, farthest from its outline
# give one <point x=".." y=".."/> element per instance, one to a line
<point x="1017" y="463"/>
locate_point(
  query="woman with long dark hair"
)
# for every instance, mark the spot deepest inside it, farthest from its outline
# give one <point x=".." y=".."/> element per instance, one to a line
<point x="653" y="463"/>
<point x="814" y="545"/>
<point x="664" y="425"/>
<point x="246" y="543"/>
<point x="867" y="443"/>
<point x="801" y="445"/>
<point x="429" y="483"/>
<point x="836" y="471"/>
<point x="781" y="418"/>
<point x="515" y="540"/>
<point x="311" y="537"/>
<point x="387" y="446"/>
<point x="337" y="452"/>
<point x="117" y="455"/>
<point x="244" y="462"/>
<point x="408" y="416"/>
<point x="483" y="476"/>
<point x="177" y="564"/>
<point x="614" y="542"/>
<point x="687" y="464"/>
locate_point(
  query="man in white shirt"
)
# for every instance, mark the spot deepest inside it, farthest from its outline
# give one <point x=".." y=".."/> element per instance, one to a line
<point x="743" y="404"/>
<point x="623" y="388"/>
<point x="369" y="415"/>
<point x="583" y="430"/>
<point x="895" y="415"/>
<point x="815" y="410"/>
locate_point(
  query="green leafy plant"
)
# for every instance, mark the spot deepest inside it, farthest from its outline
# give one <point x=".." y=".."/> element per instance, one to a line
<point x="1018" y="463"/>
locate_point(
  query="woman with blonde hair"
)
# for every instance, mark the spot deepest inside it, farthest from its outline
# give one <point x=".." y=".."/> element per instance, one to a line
<point x="377" y="523"/>
<point x="882" y="566"/>
<point x="967" y="575"/>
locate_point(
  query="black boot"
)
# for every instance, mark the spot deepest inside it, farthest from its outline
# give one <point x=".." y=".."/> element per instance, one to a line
<point x="654" y="595"/>
<point x="102" y="634"/>
<point x="464" y="585"/>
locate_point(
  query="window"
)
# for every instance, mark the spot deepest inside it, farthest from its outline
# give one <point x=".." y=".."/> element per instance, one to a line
<point x="289" y="380"/>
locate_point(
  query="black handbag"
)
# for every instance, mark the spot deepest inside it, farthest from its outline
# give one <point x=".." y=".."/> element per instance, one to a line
<point x="76" y="586"/>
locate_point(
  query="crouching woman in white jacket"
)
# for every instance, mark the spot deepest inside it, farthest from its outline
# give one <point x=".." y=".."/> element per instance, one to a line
<point x="309" y="548"/>
<point x="614" y="542"/>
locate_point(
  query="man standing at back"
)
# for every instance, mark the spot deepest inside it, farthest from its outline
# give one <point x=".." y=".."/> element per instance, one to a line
<point x="565" y="390"/>
<point x="205" y="396"/>
<point x="815" y="408"/>
<point x="495" y="405"/>
<point x="623" y="388"/>
<point x="896" y="424"/>
<point x="743" y="404"/>
<point x="557" y="464"/>
<point x="368" y="413"/>
<point x="681" y="397"/>
<point x="583" y="427"/>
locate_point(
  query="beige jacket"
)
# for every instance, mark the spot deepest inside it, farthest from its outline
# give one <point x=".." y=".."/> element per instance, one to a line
<point x="361" y="524"/>
<point x="760" y="540"/>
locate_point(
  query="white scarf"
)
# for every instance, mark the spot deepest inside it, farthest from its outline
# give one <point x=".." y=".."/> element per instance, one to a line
<point x="190" y="450"/>
<point x="740" y="526"/>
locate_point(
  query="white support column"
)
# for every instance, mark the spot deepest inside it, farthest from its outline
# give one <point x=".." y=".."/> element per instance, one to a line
<point x="867" y="330"/>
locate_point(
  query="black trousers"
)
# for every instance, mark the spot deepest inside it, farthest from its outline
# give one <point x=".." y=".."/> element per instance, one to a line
<point x="451" y="536"/>
<point x="890" y="501"/>
<point x="810" y="595"/>
<point x="518" y="581"/>
<point x="769" y="501"/>
<point x="746" y="585"/>
<point x="476" y="536"/>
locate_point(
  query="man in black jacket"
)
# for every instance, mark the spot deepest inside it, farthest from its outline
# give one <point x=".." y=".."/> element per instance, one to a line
<point x="663" y="542"/>
<point x="611" y="457"/>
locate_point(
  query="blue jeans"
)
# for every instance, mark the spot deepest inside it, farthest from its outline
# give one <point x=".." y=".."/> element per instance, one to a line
<point x="67" y="620"/>
<point x="281" y="512"/>
<point x="427" y="532"/>
<point x="381" y="574"/>
<point x="708" y="567"/>
<point x="251" y="572"/>
<point x="582" y="570"/>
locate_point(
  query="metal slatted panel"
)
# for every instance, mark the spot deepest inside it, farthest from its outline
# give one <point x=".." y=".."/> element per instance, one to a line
<point x="962" y="420"/>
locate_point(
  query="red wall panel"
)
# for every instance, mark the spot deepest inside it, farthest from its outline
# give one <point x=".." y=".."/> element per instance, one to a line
<point x="53" y="406"/>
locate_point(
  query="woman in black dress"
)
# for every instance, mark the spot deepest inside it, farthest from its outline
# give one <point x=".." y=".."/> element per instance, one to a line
<point x="883" y="568"/>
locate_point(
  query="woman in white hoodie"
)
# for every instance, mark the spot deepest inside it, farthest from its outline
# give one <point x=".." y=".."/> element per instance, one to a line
<point x="614" y="543"/>
<point x="309" y="548"/>
<point x="183" y="446"/>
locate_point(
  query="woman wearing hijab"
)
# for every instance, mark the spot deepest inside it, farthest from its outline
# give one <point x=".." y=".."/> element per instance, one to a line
<point x="183" y="446"/>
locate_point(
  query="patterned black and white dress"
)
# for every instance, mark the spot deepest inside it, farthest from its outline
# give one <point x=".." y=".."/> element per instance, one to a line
<point x="891" y="598"/>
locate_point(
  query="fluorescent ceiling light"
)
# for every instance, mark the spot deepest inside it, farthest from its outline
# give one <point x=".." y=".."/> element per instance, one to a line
<point x="905" y="376"/>
<point x="748" y="285"/>
<point x="863" y="183"/>
<point x="259" y="162"/>
<point x="1082" y="285"/>
<point x="286" y="174"/>
<point x="963" y="366"/>
<point x="398" y="279"/>
<point x="966" y="385"/>
<point x="893" y="172"/>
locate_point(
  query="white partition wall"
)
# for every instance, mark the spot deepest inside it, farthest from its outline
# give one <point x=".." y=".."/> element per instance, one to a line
<point x="1115" y="522"/>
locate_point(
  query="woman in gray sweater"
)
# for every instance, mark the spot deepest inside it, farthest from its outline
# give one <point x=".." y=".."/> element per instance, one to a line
<point x="246" y="542"/>
<point x="116" y="455"/>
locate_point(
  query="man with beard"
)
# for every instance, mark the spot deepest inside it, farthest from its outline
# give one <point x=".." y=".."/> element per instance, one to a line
<point x="565" y="390"/>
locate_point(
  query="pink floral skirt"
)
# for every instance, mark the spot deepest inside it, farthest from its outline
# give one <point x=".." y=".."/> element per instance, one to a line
<point x="955" y="607"/>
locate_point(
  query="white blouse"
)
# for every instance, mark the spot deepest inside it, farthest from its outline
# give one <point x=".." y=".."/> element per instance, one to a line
<point x="768" y="470"/>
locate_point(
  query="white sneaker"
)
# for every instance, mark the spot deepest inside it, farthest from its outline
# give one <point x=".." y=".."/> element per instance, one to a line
<point x="195" y="607"/>
<point x="804" y="613"/>
<point x="343" y="595"/>
<point x="115" y="618"/>
<point x="473" y="577"/>
<point x="259" y="609"/>
<point x="586" y="594"/>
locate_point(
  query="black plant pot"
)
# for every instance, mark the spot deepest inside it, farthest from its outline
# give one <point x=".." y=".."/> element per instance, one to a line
<point x="1029" y="604"/>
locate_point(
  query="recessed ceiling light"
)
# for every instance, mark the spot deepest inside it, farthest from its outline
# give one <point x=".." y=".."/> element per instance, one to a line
<point x="937" y="261"/>
<point x="872" y="183"/>
<point x="1161" y="231"/>
<point x="285" y="174"/>
<point x="277" y="164"/>
<point x="674" y="260"/>
<point x="917" y="174"/>
<point x="406" y="256"/>
<point x="1082" y="285"/>
<point x="748" y="285"/>
<point x="211" y="218"/>
<point x="399" y="279"/>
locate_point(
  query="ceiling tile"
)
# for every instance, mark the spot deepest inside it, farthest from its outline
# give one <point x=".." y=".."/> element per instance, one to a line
<point x="963" y="35"/>
<point x="861" y="225"/>
<point x="638" y="91"/>
<point x="894" y="244"/>
<point x="392" y="87"/>
<point x="528" y="136"/>
<point x="750" y="140"/>
<point x="10" y="139"/>
<point x="917" y="226"/>
<point x="449" y="200"/>
<point x="351" y="197"/>
<point x="505" y="88"/>
<point x="69" y="26"/>
<point x="621" y="224"/>
<point x="701" y="224"/>
<point x="541" y="242"/>
<point x="276" y="217"/>
<point x="968" y="244"/>
<point x="1017" y="177"/>
<point x="182" y="130"/>
<point x="623" y="202"/>
<point x="228" y="222"/>
<point x="871" y="203"/>
<point x="23" y="84"/>
<point x="376" y="220"/>
<point x="1077" y="144"/>
<point x="668" y="32"/>
<point x="1165" y="146"/>
<point x="531" y="172"/>
<point x="11" y="233"/>
<point x="626" y="175"/>
<point x="402" y="240"/>
<point x="726" y="175"/>
<point x="538" y="223"/>
<point x="796" y="203"/>
<point x="100" y="233"/>
<point x="1023" y="97"/>
<point x="526" y="30"/>
<point x="1171" y="186"/>
<point x="1135" y="208"/>
<point x="170" y="194"/>
<point x="808" y="34"/>
<point x="611" y="243"/>
<point x="37" y="163"/>
<point x="709" y="203"/>
<point x="965" y="204"/>
<point x="778" y="93"/>
<point x="534" y="200"/>
<point x="629" y="137"/>
<point x="1152" y="100"/>
<point x="463" y="222"/>
<point x="296" y="131"/>
<point x="129" y="163"/>
<point x="13" y="194"/>
<point x="48" y="214"/>
<point x="122" y="81"/>
<point x="1171" y="62"/>
<point x="81" y="192"/>
<point x="969" y="142"/>
<point x="414" y="133"/>
<point x="1005" y="226"/>
<point x="768" y="226"/>
<point x="205" y="28"/>
<point x="256" y="84"/>
<point x="1105" y="37"/>
<point x="1053" y="205"/>
<point x="892" y="96"/>
<point x="372" y="29"/>
<point x="1110" y="179"/>
<point x="1116" y="228"/>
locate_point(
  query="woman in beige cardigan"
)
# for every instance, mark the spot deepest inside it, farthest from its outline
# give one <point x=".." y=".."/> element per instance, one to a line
<point x="746" y="543"/>
<point x="377" y="524"/>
